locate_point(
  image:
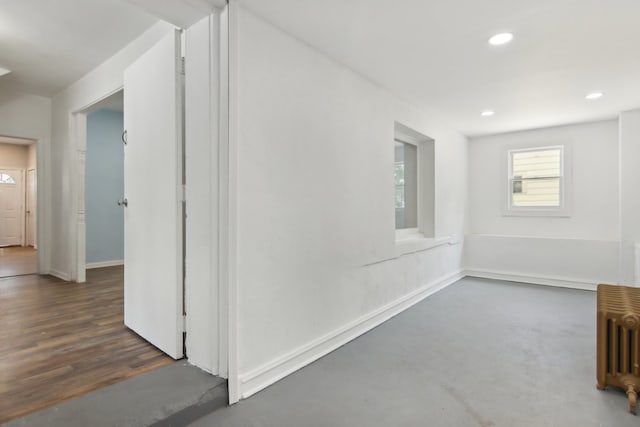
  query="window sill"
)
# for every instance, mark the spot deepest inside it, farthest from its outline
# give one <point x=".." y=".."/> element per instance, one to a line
<point x="416" y="243"/>
<point x="558" y="213"/>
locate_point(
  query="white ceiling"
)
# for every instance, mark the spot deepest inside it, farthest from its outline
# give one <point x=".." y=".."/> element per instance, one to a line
<point x="50" y="44"/>
<point x="435" y="55"/>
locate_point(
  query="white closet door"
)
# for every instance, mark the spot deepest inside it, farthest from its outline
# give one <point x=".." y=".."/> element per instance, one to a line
<point x="153" y="279"/>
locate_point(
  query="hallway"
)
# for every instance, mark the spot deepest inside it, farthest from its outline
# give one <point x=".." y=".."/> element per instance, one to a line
<point x="18" y="260"/>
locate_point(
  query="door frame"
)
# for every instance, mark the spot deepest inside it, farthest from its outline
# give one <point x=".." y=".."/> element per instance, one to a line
<point x="228" y="140"/>
<point x="42" y="195"/>
<point x="78" y="126"/>
<point x="26" y="202"/>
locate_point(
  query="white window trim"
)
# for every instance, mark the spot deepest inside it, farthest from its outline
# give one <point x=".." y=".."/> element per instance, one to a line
<point x="564" y="210"/>
<point x="408" y="233"/>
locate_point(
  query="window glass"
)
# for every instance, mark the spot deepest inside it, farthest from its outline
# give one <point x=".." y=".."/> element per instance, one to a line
<point x="536" y="178"/>
<point x="399" y="181"/>
<point x="406" y="185"/>
<point x="6" y="179"/>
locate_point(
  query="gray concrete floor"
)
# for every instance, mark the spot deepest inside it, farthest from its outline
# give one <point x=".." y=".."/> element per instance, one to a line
<point x="479" y="353"/>
<point x="170" y="396"/>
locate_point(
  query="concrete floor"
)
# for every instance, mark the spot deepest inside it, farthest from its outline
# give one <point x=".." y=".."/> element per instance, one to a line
<point x="166" y="397"/>
<point x="479" y="353"/>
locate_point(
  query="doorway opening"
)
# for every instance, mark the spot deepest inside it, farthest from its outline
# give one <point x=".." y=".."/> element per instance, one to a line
<point x="18" y="207"/>
<point x="104" y="183"/>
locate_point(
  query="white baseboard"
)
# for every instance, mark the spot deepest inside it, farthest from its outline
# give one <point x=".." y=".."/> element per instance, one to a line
<point x="101" y="264"/>
<point x="267" y="374"/>
<point x="59" y="275"/>
<point x="562" y="282"/>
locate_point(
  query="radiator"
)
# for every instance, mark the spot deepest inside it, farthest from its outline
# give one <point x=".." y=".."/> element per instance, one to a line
<point x="618" y="340"/>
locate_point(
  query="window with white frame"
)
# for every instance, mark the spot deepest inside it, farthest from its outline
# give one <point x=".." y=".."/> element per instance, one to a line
<point x="536" y="180"/>
<point x="414" y="183"/>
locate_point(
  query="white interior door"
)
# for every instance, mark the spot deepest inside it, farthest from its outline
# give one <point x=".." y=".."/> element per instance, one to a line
<point x="153" y="275"/>
<point x="32" y="207"/>
<point x="11" y="203"/>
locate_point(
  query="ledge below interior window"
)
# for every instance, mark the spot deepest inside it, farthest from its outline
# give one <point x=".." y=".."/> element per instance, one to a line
<point x="557" y="213"/>
<point x="416" y="243"/>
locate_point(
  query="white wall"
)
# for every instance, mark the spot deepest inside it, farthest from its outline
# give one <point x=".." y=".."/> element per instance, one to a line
<point x="579" y="250"/>
<point x="29" y="116"/>
<point x="66" y="179"/>
<point x="24" y="115"/>
<point x="630" y="195"/>
<point x="317" y="262"/>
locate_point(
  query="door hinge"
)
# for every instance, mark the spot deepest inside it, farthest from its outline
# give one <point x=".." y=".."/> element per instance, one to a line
<point x="184" y="323"/>
<point x="182" y="66"/>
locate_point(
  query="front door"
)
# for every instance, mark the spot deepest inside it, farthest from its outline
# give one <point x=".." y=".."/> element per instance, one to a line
<point x="11" y="202"/>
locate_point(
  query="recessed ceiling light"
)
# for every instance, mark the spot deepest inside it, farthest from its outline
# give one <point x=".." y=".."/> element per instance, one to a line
<point x="487" y="113"/>
<point x="502" y="38"/>
<point x="4" y="71"/>
<point x="594" y="95"/>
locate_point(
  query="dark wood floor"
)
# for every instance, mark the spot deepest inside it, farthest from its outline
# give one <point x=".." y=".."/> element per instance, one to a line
<point x="16" y="260"/>
<point x="59" y="340"/>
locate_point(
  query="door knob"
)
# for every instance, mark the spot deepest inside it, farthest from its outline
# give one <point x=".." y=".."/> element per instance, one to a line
<point x="123" y="202"/>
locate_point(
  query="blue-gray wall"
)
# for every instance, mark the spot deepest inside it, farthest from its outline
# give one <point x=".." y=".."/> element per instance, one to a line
<point x="104" y="186"/>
